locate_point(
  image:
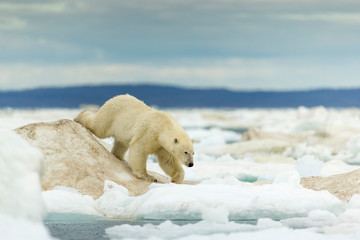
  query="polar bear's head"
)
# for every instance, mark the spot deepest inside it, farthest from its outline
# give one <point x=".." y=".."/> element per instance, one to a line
<point x="175" y="140"/>
<point x="183" y="150"/>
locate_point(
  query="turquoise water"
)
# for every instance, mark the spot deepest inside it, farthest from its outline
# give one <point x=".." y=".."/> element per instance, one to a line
<point x="86" y="227"/>
<point x="91" y="230"/>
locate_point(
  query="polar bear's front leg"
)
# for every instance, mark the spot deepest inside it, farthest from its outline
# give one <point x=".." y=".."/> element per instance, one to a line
<point x="137" y="163"/>
<point x="178" y="177"/>
<point x="170" y="166"/>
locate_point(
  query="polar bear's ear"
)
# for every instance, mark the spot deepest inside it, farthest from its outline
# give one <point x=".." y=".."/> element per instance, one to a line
<point x="176" y="140"/>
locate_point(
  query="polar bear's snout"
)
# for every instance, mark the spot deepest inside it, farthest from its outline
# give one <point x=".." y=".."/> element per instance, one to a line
<point x="190" y="162"/>
<point x="189" y="159"/>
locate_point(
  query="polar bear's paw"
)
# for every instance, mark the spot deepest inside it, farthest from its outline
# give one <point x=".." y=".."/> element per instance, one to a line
<point x="149" y="178"/>
<point x="178" y="178"/>
<point x="145" y="176"/>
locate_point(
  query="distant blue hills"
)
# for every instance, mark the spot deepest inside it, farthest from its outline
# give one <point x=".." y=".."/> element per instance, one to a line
<point x="176" y="97"/>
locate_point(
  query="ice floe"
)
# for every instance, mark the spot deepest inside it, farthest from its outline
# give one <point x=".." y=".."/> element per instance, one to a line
<point x="303" y="161"/>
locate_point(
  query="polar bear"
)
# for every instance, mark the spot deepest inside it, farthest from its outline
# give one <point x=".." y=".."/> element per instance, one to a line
<point x="142" y="130"/>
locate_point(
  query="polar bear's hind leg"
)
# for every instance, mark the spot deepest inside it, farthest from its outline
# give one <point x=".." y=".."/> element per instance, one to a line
<point x="119" y="150"/>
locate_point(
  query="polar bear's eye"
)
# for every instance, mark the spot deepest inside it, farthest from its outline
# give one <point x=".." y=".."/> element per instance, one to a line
<point x="176" y="140"/>
<point x="186" y="152"/>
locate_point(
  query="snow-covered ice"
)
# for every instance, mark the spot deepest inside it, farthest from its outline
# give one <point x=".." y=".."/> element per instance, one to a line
<point x="221" y="200"/>
<point x="21" y="205"/>
<point x="265" y="229"/>
<point x="283" y="146"/>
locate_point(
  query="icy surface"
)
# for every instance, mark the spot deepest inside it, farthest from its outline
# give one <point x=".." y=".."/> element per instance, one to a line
<point x="309" y="166"/>
<point x="69" y="200"/>
<point x="21" y="205"/>
<point x="221" y="200"/>
<point x="282" y="146"/>
<point x="265" y="229"/>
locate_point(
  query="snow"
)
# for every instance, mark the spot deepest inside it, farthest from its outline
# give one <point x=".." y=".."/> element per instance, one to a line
<point x="284" y="145"/>
<point x="222" y="200"/>
<point x="21" y="205"/>
<point x="265" y="229"/>
<point x="168" y="230"/>
<point x="69" y="200"/>
<point x="309" y="166"/>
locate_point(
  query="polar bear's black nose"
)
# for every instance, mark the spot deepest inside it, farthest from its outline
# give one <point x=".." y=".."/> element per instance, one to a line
<point x="191" y="164"/>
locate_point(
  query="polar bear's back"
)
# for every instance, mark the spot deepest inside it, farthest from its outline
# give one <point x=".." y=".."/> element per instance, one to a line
<point x="120" y="115"/>
<point x="128" y="103"/>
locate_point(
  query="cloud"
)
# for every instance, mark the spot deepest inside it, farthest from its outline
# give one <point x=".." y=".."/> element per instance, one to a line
<point x="12" y="23"/>
<point x="244" y="44"/>
<point x="243" y="74"/>
<point x="37" y="7"/>
<point x="333" y="17"/>
<point x="61" y="75"/>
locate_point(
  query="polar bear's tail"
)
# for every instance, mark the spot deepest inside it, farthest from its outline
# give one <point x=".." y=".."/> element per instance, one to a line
<point x="97" y="123"/>
<point x="85" y="118"/>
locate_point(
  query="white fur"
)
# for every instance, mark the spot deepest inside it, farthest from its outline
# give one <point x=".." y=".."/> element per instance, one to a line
<point x="143" y="131"/>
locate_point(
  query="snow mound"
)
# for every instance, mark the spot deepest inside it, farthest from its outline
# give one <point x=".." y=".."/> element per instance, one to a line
<point x="75" y="159"/>
<point x="21" y="205"/>
<point x="344" y="186"/>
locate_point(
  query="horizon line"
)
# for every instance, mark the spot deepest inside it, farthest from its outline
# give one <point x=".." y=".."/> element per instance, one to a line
<point x="181" y="87"/>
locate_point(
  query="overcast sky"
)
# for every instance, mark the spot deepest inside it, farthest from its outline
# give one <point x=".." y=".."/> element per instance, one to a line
<point x="237" y="44"/>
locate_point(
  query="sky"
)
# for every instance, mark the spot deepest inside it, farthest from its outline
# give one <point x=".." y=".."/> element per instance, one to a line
<point x="234" y="44"/>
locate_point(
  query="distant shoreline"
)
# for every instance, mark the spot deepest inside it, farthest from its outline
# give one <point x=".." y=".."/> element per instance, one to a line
<point x="176" y="97"/>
